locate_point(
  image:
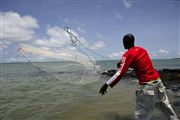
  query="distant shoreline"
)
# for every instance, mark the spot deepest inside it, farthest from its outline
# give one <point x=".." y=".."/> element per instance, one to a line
<point x="74" y="61"/>
<point x="168" y="76"/>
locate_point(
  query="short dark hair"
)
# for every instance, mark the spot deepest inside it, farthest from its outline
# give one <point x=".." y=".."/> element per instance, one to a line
<point x="129" y="37"/>
<point x="128" y="41"/>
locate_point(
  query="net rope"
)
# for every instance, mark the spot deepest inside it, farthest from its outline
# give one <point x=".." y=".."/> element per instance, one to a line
<point x="83" y="60"/>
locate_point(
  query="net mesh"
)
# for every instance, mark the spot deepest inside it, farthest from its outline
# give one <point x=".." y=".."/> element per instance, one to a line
<point x="74" y="60"/>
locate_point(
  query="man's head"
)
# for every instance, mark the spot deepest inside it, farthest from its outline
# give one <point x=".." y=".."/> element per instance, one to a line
<point x="128" y="41"/>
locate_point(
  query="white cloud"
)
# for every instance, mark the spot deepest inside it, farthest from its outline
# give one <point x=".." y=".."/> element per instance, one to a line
<point x="153" y="54"/>
<point x="162" y="51"/>
<point x="41" y="51"/>
<point x="116" y="54"/>
<point x="127" y="3"/>
<point x="98" y="45"/>
<point x="58" y="38"/>
<point x="4" y="44"/>
<point x="58" y="46"/>
<point x="11" y="59"/>
<point x="68" y="53"/>
<point x="16" y="27"/>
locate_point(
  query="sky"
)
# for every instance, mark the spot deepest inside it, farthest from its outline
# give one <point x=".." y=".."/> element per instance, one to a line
<point x="38" y="27"/>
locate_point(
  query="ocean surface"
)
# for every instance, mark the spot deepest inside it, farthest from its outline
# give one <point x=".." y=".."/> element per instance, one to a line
<point x="68" y="91"/>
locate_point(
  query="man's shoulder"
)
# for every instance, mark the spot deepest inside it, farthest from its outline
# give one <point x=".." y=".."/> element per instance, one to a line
<point x="136" y="50"/>
<point x="139" y="48"/>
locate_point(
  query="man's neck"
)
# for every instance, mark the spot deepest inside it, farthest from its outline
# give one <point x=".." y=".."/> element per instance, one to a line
<point x="130" y="47"/>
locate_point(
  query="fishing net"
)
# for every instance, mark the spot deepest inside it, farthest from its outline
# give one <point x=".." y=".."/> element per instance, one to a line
<point x="74" y="62"/>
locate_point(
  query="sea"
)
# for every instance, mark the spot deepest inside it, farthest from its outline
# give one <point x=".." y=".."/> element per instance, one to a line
<point x="65" y="90"/>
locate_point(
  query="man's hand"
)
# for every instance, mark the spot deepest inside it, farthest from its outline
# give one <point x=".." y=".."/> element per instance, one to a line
<point x="103" y="89"/>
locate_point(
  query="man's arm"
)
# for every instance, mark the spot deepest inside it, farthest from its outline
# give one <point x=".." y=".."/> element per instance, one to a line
<point x="116" y="78"/>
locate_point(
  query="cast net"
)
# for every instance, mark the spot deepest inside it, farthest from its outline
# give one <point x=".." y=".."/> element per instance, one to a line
<point x="73" y="62"/>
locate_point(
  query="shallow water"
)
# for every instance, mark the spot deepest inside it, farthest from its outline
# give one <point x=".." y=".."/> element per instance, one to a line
<point x="27" y="94"/>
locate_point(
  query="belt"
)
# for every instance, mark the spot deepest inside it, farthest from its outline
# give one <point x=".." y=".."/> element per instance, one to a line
<point x="151" y="82"/>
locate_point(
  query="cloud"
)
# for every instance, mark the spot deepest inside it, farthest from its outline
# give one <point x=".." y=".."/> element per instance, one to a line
<point x="11" y="59"/>
<point x="98" y="45"/>
<point x="127" y="3"/>
<point x="16" y="27"/>
<point x="56" y="44"/>
<point x="59" y="47"/>
<point x="57" y="38"/>
<point x="162" y="51"/>
<point x="4" y="44"/>
<point x="68" y="53"/>
<point x="116" y="54"/>
<point x="153" y="54"/>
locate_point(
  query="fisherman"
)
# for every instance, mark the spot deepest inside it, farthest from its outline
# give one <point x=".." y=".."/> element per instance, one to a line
<point x="151" y="92"/>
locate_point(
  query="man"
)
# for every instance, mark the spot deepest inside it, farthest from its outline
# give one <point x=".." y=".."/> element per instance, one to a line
<point x="151" y="92"/>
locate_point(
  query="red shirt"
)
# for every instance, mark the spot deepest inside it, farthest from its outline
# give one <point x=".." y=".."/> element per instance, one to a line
<point x="137" y="58"/>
